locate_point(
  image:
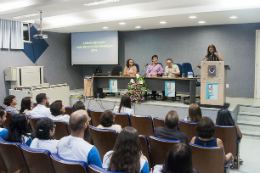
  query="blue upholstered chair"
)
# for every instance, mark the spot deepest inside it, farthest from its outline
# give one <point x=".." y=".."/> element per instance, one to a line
<point x="137" y="67"/>
<point x="143" y="124"/>
<point x="33" y="122"/>
<point x="60" y="130"/>
<point x="122" y="119"/>
<point x="160" y="64"/>
<point x="95" y="169"/>
<point x="158" y="122"/>
<point x="68" y="110"/>
<point x="145" y="148"/>
<point x="95" y="116"/>
<point x="189" y="128"/>
<point x="8" y="117"/>
<point x="180" y="68"/>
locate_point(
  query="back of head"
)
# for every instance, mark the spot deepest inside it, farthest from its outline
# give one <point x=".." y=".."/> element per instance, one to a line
<point x="195" y="112"/>
<point x="106" y="119"/>
<point x="78" y="120"/>
<point x="205" y="128"/>
<point x="2" y="112"/>
<point x="56" y="107"/>
<point x="178" y="159"/>
<point x="79" y="105"/>
<point x="25" y="104"/>
<point x="224" y="118"/>
<point x="40" y="98"/>
<point x="43" y="128"/>
<point x="172" y="119"/>
<point x="127" y="152"/>
<point x="125" y="102"/>
<point x="8" y="100"/>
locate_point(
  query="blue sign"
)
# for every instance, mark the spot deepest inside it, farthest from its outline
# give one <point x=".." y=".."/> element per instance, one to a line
<point x="212" y="91"/>
<point x="169" y="88"/>
<point x="113" y="85"/>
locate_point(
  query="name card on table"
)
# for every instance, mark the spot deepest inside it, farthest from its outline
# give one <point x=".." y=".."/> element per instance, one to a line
<point x="169" y="88"/>
<point x="113" y="85"/>
<point x="212" y="91"/>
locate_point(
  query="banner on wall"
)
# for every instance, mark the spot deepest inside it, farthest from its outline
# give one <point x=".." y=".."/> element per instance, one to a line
<point x="169" y="88"/>
<point x="212" y="91"/>
<point x="113" y="85"/>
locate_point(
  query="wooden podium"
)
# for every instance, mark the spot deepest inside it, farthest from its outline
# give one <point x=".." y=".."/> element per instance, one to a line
<point x="88" y="87"/>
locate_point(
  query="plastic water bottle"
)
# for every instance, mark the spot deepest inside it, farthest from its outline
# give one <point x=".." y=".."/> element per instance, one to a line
<point x="190" y="74"/>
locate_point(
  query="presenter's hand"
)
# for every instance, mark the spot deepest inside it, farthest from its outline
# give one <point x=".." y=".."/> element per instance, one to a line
<point x="154" y="75"/>
<point x="217" y="54"/>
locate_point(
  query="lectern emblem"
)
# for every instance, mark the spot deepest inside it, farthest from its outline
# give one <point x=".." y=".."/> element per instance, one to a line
<point x="212" y="70"/>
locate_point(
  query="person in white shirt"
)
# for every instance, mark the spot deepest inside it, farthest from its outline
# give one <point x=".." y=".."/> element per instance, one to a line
<point x="58" y="110"/>
<point x="45" y="129"/>
<point x="74" y="147"/>
<point x="125" y="106"/>
<point x="106" y="121"/>
<point x="41" y="111"/>
<point x="10" y="101"/>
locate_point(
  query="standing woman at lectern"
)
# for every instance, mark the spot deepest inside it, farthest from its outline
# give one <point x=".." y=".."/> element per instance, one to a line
<point x="212" y="54"/>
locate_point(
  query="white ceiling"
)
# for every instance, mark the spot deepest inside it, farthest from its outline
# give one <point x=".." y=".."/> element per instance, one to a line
<point x="72" y="16"/>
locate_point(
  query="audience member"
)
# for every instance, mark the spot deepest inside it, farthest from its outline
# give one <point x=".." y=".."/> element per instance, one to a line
<point x="3" y="131"/>
<point x="26" y="105"/>
<point x="178" y="160"/>
<point x="45" y="129"/>
<point x="74" y="147"/>
<point x="79" y="105"/>
<point x="10" y="101"/>
<point x="125" y="106"/>
<point x="194" y="113"/>
<point x="106" y="121"/>
<point x="130" y="69"/>
<point x="127" y="154"/>
<point x="18" y="130"/>
<point x="58" y="110"/>
<point x="41" y="111"/>
<point x="206" y="129"/>
<point x="170" y="131"/>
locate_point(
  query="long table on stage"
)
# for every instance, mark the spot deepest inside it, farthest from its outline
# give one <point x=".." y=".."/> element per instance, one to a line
<point x="184" y="85"/>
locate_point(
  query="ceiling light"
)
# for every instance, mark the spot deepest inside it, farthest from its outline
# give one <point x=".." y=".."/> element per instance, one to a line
<point x="163" y="22"/>
<point x="233" y="17"/>
<point x="26" y="15"/>
<point x="101" y="2"/>
<point x="138" y="27"/>
<point x="105" y="27"/>
<point x="192" y="17"/>
<point x="122" y="23"/>
<point x="201" y="22"/>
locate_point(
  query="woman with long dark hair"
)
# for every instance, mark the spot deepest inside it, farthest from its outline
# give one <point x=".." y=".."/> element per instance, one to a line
<point x="58" y="111"/>
<point x="127" y="154"/>
<point x="130" y="68"/>
<point x="212" y="54"/>
<point x="125" y="106"/>
<point x="26" y="105"/>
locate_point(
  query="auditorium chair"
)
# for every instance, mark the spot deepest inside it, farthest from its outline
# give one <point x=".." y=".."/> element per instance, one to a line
<point x="116" y="70"/>
<point x="143" y="124"/>
<point x="33" y="122"/>
<point x="158" y="122"/>
<point x="68" y="128"/>
<point x="137" y="67"/>
<point x="122" y="119"/>
<point x="95" y="169"/>
<point x="95" y="117"/>
<point x="68" y="166"/>
<point x="209" y="159"/>
<point x="180" y="68"/>
<point x="159" y="149"/>
<point x="38" y="160"/>
<point x="145" y="148"/>
<point x="189" y="128"/>
<point x="60" y="130"/>
<point x="3" y="168"/>
<point x="68" y="110"/>
<point x="103" y="139"/>
<point x="8" y="117"/>
<point x="13" y="157"/>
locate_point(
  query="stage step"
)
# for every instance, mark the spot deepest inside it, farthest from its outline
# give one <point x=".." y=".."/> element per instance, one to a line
<point x="248" y="117"/>
<point x="249" y="109"/>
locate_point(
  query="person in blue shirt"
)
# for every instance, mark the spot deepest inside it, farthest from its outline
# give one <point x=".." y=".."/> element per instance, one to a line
<point x="3" y="131"/>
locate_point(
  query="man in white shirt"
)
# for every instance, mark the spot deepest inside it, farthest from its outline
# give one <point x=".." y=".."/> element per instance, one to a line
<point x="41" y="111"/>
<point x="74" y="147"/>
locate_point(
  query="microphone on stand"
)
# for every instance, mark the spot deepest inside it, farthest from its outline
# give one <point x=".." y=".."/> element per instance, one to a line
<point x="144" y="69"/>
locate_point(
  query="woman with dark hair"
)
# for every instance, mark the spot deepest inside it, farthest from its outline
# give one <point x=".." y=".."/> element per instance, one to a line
<point x="10" y="101"/>
<point x="45" y="129"/>
<point x="3" y="131"/>
<point x="127" y="154"/>
<point x="206" y="129"/>
<point x="194" y="113"/>
<point x="26" y="105"/>
<point x="17" y="131"/>
<point x="212" y="54"/>
<point x="178" y="160"/>
<point x="224" y="118"/>
<point x="79" y="105"/>
<point x="106" y="121"/>
<point x="125" y="106"/>
<point x="130" y="68"/>
<point x="57" y="110"/>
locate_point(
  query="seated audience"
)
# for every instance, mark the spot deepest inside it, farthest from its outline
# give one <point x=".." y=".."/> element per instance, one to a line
<point x="130" y="68"/>
<point x="170" y="131"/>
<point x="10" y="101"/>
<point x="3" y="131"/>
<point x="79" y="105"/>
<point x="194" y="113"/>
<point x="206" y="129"/>
<point x="41" y="111"/>
<point x="58" y="110"/>
<point x="45" y="129"/>
<point x="127" y="154"/>
<point x="106" y="121"/>
<point x="178" y="159"/>
<point x="125" y="106"/>
<point x="74" y="147"/>
<point x="224" y="118"/>
<point x="26" y="105"/>
<point x="18" y="130"/>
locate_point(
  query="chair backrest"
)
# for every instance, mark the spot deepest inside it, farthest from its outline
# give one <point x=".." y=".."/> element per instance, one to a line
<point x="38" y="160"/>
<point x="143" y="124"/>
<point x="180" y="68"/>
<point x="160" y="64"/>
<point x="116" y="69"/>
<point x="137" y="67"/>
<point x="60" y="131"/>
<point x="68" y="110"/>
<point x="3" y="168"/>
<point x="68" y="128"/>
<point x="159" y="149"/>
<point x="95" y="117"/>
<point x="186" y="67"/>
<point x="103" y="139"/>
<point x="33" y="122"/>
<point x="122" y="119"/>
<point x="8" y="117"/>
<point x="13" y="157"/>
<point x="145" y="148"/>
<point x="95" y="169"/>
<point x="158" y="122"/>
<point x="207" y="159"/>
<point x="189" y="128"/>
<point x="68" y="166"/>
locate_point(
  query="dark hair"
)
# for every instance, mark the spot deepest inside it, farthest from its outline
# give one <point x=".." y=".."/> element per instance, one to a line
<point x="79" y="105"/>
<point x="2" y="112"/>
<point x="195" y="112"/>
<point x="178" y="159"/>
<point x="205" y="128"/>
<point x="127" y="152"/>
<point x="106" y="119"/>
<point x="77" y="122"/>
<point x="155" y="56"/>
<point x="127" y="63"/>
<point x="169" y="59"/>
<point x="224" y="118"/>
<point x="172" y="119"/>
<point x="8" y="100"/>
<point x="125" y="101"/>
<point x="43" y="128"/>
<point x="40" y="97"/>
<point x="25" y="104"/>
<point x="56" y="107"/>
<point x="210" y="46"/>
<point x="1" y="107"/>
<point x="17" y="128"/>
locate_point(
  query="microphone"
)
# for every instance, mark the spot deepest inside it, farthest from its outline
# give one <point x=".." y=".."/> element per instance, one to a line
<point x="144" y="69"/>
<point x="199" y="64"/>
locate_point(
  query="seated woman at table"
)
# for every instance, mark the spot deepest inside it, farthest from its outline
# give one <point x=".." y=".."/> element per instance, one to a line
<point x="194" y="113"/>
<point x="130" y="68"/>
<point x="106" y="121"/>
<point x="125" y="106"/>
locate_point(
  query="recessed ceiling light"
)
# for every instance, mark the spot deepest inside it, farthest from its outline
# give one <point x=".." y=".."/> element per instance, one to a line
<point x="233" y="17"/>
<point x="192" y="17"/>
<point x="122" y="23"/>
<point x="26" y="15"/>
<point x="201" y="22"/>
<point x="105" y="27"/>
<point x="138" y="27"/>
<point x="102" y="2"/>
<point x="163" y="22"/>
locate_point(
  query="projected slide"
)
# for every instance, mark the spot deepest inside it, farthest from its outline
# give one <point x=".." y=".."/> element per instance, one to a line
<point x="94" y="48"/>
